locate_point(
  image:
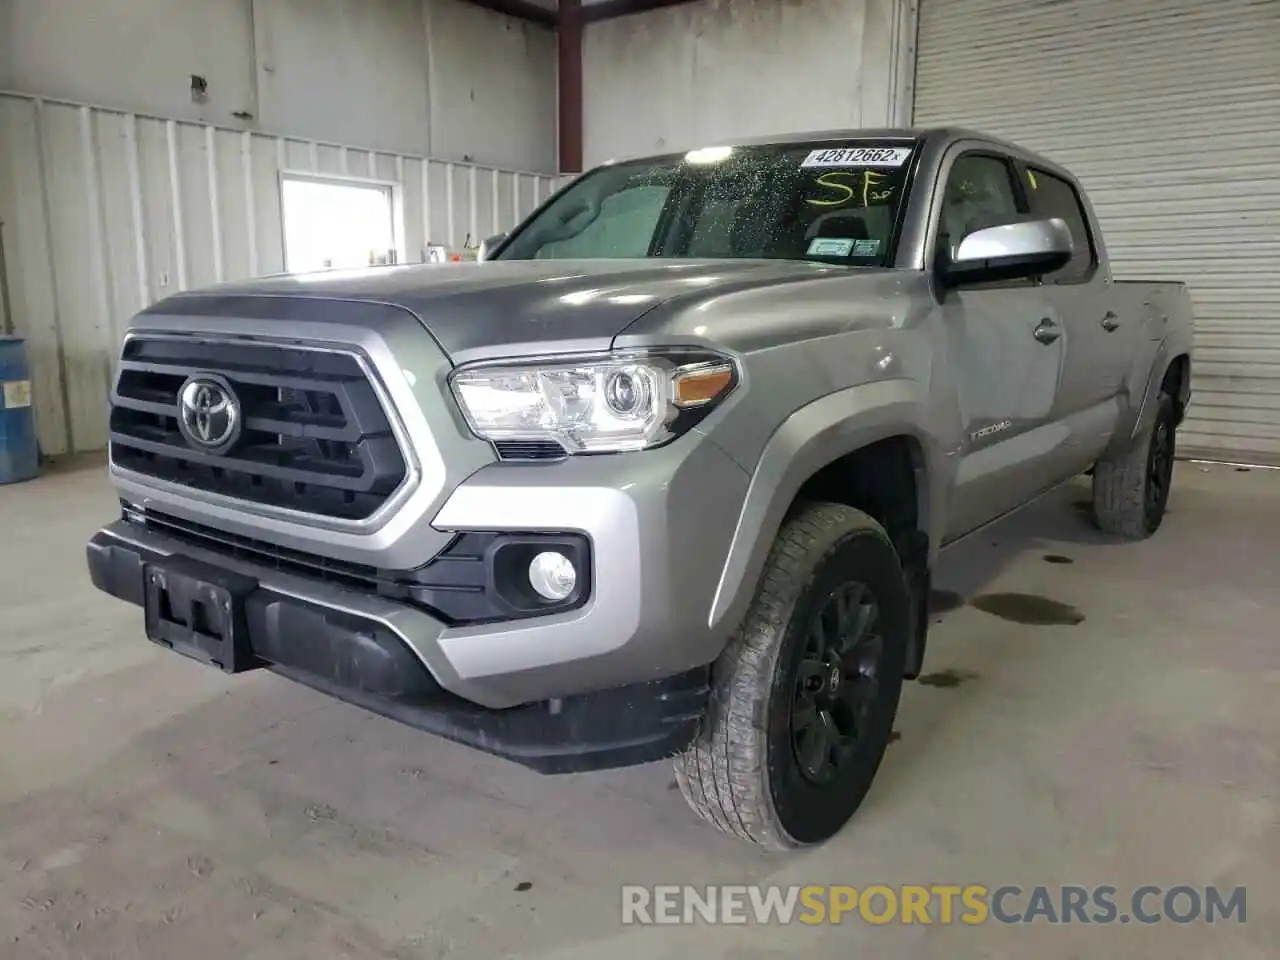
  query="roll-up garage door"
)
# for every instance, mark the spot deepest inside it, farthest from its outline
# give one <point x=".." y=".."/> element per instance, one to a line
<point x="1169" y="112"/>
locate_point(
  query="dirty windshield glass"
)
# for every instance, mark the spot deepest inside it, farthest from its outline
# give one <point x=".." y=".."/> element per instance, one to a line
<point x="830" y="202"/>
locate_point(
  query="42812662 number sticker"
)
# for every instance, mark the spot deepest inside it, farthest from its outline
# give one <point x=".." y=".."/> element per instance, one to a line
<point x="857" y="157"/>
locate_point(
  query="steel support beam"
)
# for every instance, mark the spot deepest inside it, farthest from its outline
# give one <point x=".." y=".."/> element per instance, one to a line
<point x="520" y="9"/>
<point x="592" y="11"/>
<point x="608" y="9"/>
<point x="569" y="85"/>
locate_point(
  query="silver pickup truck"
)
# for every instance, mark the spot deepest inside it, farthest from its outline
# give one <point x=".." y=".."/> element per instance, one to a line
<point x="665" y="474"/>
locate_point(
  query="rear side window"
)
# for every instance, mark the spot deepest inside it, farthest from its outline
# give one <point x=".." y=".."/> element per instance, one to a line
<point x="1054" y="197"/>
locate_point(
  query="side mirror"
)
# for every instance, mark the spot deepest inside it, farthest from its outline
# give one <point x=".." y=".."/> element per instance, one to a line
<point x="1012" y="251"/>
<point x="488" y="244"/>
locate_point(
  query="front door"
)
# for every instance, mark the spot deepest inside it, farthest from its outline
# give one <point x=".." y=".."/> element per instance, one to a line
<point x="1006" y="344"/>
<point x="1007" y="348"/>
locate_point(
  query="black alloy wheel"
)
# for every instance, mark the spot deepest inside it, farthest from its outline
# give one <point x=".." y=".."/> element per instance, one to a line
<point x="1131" y="486"/>
<point x="1159" y="470"/>
<point x="804" y="695"/>
<point x="836" y="682"/>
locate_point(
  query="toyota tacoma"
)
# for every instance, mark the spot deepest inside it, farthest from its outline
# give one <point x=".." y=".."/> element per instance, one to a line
<point x="664" y="474"/>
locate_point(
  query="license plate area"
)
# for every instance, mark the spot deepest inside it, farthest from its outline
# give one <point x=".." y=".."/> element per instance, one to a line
<point x="198" y="610"/>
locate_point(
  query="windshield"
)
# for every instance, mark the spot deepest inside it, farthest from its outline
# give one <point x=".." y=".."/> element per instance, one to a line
<point x="833" y="202"/>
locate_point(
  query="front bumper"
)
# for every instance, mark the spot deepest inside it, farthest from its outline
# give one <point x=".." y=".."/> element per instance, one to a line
<point x="659" y="525"/>
<point x="360" y="657"/>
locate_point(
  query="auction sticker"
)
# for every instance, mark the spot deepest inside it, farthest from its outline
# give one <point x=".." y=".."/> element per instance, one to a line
<point x="857" y="157"/>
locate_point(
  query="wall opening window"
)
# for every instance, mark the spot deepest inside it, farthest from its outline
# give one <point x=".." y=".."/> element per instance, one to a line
<point x="335" y="224"/>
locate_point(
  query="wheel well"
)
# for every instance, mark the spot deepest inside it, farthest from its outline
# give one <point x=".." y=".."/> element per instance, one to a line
<point x="1176" y="382"/>
<point x="887" y="481"/>
<point x="882" y="480"/>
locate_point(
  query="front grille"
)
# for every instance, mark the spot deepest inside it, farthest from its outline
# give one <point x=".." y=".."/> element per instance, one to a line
<point x="315" y="437"/>
<point x="357" y="576"/>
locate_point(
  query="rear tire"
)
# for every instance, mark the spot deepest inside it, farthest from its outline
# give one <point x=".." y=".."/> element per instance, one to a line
<point x="804" y="696"/>
<point x="1131" y="492"/>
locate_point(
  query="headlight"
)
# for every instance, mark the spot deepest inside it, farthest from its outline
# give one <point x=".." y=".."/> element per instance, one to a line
<point x="598" y="404"/>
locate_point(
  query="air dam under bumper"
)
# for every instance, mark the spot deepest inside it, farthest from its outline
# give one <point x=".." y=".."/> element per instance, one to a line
<point x="357" y="658"/>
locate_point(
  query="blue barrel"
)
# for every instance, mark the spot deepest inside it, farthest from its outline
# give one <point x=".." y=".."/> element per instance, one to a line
<point x="19" y="453"/>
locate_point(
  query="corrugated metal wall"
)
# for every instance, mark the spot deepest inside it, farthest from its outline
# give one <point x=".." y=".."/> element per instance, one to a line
<point x="105" y="212"/>
<point x="1169" y="112"/>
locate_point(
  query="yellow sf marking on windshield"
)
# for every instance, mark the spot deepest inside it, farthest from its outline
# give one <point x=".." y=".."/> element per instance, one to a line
<point x="863" y="182"/>
<point x="869" y="179"/>
<point x="829" y="181"/>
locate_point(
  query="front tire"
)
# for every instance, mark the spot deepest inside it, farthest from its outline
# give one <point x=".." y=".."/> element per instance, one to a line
<point x="805" y="694"/>
<point x="1131" y="492"/>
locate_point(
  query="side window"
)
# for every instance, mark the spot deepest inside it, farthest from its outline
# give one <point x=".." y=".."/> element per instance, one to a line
<point x="980" y="193"/>
<point x="1054" y="197"/>
<point x="622" y="227"/>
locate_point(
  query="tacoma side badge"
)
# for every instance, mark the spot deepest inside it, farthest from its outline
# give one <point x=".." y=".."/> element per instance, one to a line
<point x="992" y="429"/>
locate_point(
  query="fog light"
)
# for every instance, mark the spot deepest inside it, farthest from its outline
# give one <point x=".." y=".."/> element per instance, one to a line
<point x="552" y="575"/>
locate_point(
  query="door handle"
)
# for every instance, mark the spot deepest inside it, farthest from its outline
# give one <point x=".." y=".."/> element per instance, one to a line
<point x="1110" y="322"/>
<point x="1047" y="331"/>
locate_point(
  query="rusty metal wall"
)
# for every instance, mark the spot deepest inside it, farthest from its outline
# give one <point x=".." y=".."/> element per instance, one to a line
<point x="104" y="212"/>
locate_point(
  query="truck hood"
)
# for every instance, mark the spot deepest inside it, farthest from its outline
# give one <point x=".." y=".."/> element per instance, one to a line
<point x="519" y="307"/>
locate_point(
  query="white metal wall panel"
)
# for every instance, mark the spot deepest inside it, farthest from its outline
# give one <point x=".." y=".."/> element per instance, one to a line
<point x="444" y="78"/>
<point x="1169" y="112"/>
<point x="105" y="212"/>
<point x="696" y="73"/>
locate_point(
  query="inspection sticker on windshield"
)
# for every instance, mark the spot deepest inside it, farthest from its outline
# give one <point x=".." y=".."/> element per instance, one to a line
<point x="857" y="157"/>
<point x="829" y="247"/>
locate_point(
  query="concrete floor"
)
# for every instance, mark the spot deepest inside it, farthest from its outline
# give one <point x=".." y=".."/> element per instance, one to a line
<point x="150" y="807"/>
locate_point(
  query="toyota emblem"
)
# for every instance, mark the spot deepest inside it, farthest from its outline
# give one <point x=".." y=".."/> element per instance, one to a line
<point x="209" y="414"/>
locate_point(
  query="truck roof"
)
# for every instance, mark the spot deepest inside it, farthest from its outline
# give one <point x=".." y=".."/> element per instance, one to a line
<point x="938" y="138"/>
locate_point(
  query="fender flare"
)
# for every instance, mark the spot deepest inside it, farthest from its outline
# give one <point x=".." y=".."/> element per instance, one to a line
<point x="1155" y="376"/>
<point x="1161" y="363"/>
<point x="814" y="436"/>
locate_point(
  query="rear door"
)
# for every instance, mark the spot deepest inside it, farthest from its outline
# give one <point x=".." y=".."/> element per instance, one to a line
<point x="1005" y="346"/>
<point x="1100" y="326"/>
